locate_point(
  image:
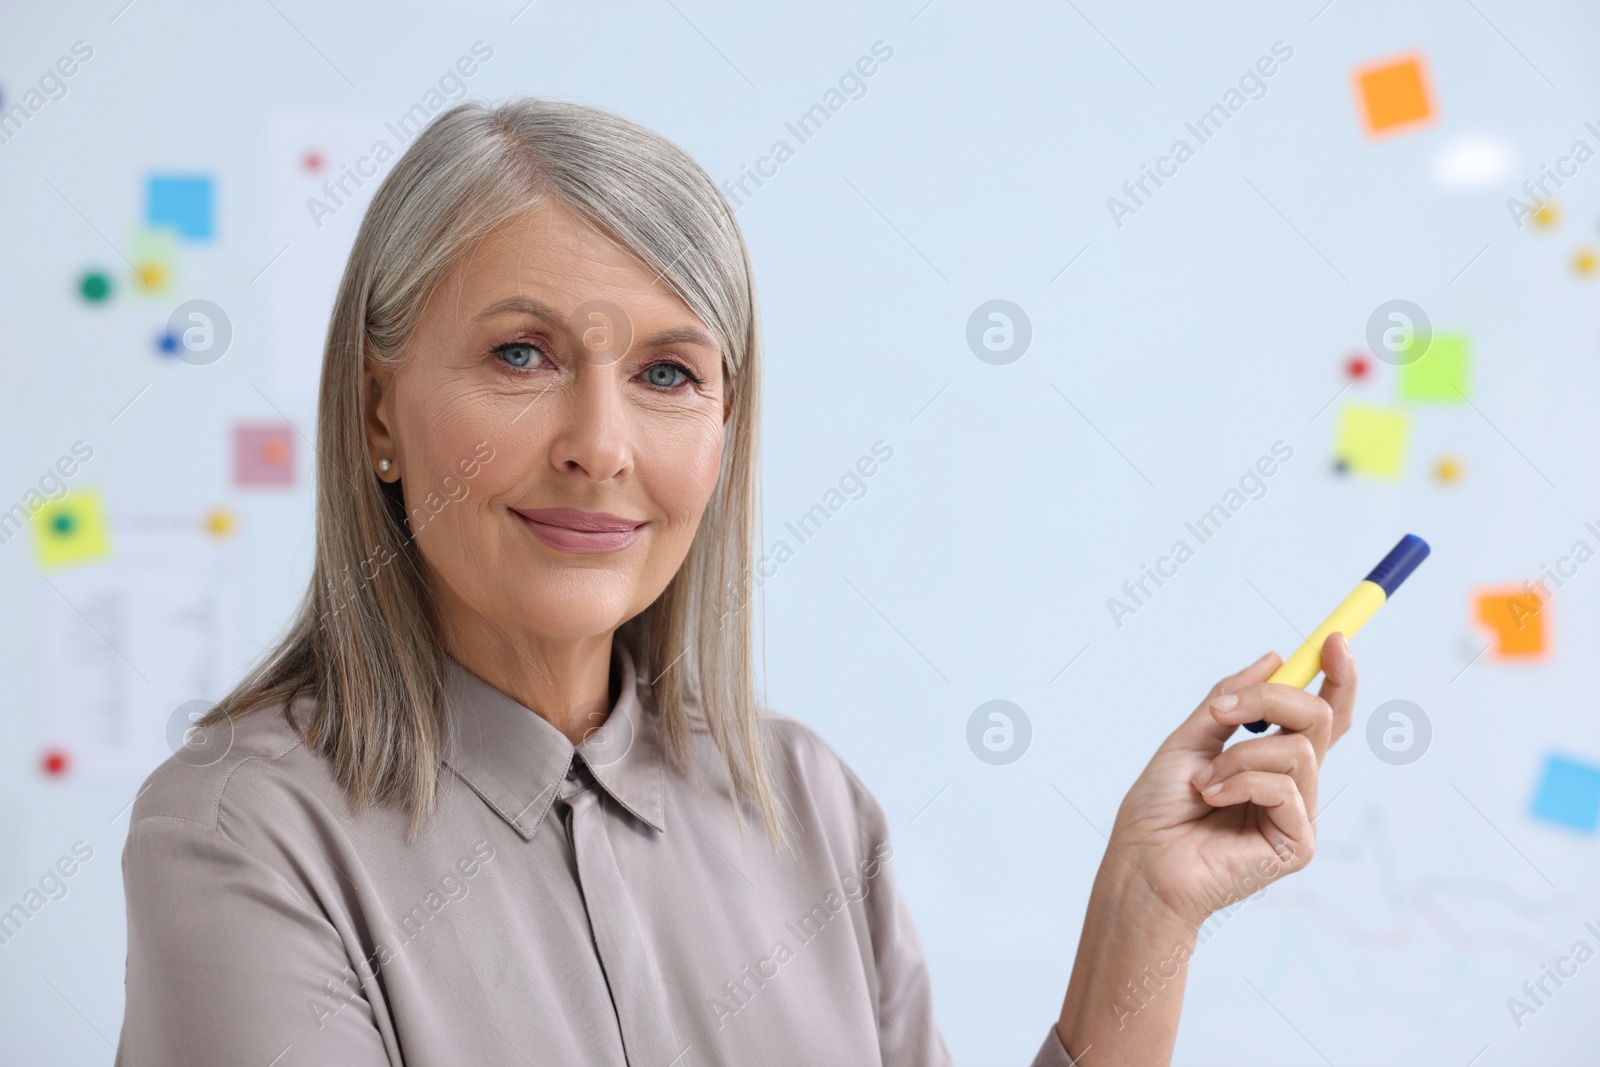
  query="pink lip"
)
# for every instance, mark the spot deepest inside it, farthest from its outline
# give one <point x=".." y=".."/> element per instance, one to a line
<point x="585" y="532"/>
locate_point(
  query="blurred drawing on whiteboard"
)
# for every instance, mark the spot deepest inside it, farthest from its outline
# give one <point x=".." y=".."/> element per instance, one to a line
<point x="125" y="640"/>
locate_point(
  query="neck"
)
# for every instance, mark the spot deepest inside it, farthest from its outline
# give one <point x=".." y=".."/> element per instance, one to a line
<point x="567" y="682"/>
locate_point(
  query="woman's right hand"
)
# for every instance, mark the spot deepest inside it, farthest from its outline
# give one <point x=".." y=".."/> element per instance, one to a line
<point x="1202" y="827"/>
<point x="1209" y="825"/>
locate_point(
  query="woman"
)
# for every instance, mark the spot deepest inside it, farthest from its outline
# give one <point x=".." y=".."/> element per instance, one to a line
<point x="489" y="800"/>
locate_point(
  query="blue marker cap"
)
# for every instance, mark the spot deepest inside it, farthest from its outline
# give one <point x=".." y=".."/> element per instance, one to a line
<point x="1397" y="566"/>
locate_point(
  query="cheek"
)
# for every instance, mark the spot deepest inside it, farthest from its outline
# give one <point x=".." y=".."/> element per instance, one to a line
<point x="446" y="437"/>
<point x="447" y="480"/>
<point x="680" y="463"/>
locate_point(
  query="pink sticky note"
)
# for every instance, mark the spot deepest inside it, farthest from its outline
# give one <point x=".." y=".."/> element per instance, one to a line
<point x="263" y="454"/>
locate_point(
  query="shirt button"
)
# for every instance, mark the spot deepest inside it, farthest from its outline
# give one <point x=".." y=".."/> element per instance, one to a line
<point x="572" y="773"/>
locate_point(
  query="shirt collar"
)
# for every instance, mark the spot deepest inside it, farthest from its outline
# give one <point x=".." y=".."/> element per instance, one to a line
<point x="516" y="761"/>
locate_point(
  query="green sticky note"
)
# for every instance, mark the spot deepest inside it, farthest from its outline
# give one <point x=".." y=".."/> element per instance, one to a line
<point x="1441" y="373"/>
<point x="1372" y="440"/>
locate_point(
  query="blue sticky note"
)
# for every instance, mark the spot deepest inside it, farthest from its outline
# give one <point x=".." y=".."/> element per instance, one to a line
<point x="1569" y="794"/>
<point x="182" y="202"/>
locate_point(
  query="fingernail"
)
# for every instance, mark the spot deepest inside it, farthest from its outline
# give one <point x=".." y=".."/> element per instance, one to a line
<point x="1261" y="658"/>
<point x="1213" y="789"/>
<point x="1225" y="703"/>
<point x="1204" y="775"/>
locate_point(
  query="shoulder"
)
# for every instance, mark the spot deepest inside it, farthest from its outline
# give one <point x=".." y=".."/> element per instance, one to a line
<point x="252" y="818"/>
<point x="816" y="777"/>
<point x="801" y="747"/>
<point x="221" y="773"/>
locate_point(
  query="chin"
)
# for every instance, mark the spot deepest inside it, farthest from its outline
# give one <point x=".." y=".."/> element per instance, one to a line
<point x="574" y="605"/>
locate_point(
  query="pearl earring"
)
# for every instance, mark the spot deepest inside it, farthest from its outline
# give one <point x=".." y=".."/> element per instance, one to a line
<point x="383" y="464"/>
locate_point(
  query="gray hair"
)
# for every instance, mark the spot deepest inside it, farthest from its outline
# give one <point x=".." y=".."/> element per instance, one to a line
<point x="372" y="661"/>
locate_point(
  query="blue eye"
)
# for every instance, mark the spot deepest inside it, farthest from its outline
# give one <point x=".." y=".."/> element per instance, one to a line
<point x="667" y="375"/>
<point x="518" y="354"/>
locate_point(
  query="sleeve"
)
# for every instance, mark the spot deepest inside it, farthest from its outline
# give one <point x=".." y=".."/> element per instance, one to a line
<point x="1053" y="1053"/>
<point x="228" y="963"/>
<point x="907" y="1032"/>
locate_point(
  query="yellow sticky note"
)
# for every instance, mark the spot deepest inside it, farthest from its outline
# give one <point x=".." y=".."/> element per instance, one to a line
<point x="71" y="530"/>
<point x="1516" y="618"/>
<point x="1441" y="373"/>
<point x="1372" y="440"/>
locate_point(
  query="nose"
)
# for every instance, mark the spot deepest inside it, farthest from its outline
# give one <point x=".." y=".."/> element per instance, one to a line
<point x="595" y="434"/>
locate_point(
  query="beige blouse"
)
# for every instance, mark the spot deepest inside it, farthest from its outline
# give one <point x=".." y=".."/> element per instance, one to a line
<point x="575" y="906"/>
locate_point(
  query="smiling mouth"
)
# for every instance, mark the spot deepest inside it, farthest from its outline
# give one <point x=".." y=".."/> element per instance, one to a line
<point x="580" y="532"/>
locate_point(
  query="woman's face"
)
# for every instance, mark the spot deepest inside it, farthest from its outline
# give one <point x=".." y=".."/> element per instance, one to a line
<point x="556" y="426"/>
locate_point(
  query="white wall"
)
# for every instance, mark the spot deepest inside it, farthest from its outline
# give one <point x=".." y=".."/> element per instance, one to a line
<point x="1176" y="350"/>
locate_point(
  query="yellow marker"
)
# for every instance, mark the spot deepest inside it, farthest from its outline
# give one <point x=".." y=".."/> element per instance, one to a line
<point x="1352" y="614"/>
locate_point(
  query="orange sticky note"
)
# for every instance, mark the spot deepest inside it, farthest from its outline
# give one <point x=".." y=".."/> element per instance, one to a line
<point x="1394" y="94"/>
<point x="1516" y="618"/>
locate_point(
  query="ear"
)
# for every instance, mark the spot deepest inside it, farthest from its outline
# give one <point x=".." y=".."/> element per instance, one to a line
<point x="377" y="406"/>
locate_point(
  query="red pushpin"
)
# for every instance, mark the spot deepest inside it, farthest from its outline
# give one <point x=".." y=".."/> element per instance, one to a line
<point x="55" y="762"/>
<point x="1357" y="367"/>
<point x="312" y="160"/>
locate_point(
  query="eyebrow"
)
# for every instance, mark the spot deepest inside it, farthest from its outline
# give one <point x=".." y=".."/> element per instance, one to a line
<point x="679" y="335"/>
<point x="692" y="335"/>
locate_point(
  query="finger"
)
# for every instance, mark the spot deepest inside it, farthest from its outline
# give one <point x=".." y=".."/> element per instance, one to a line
<point x="1338" y="682"/>
<point x="1292" y="754"/>
<point x="1200" y="728"/>
<point x="1287" y="706"/>
<point x="1259" y="671"/>
<point x="1283" y="822"/>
